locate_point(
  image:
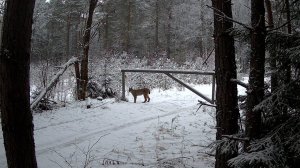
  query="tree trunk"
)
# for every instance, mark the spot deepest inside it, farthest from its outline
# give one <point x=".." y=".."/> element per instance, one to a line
<point x="273" y="61"/>
<point x="255" y="93"/>
<point x="106" y="26"/>
<point x="68" y="37"/>
<point x="16" y="116"/>
<point x="127" y="35"/>
<point x="288" y="16"/>
<point x="169" y="31"/>
<point x="287" y="64"/>
<point x="227" y="111"/>
<point x="86" y="47"/>
<point x="77" y="76"/>
<point x="156" y="25"/>
<point x="202" y="30"/>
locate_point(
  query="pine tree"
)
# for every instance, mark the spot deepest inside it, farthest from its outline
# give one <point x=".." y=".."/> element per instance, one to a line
<point x="227" y="111"/>
<point x="255" y="93"/>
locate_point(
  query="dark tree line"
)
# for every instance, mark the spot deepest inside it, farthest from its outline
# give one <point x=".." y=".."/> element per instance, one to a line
<point x="141" y="28"/>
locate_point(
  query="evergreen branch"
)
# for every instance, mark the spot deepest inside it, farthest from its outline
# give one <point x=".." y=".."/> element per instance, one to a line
<point x="269" y="99"/>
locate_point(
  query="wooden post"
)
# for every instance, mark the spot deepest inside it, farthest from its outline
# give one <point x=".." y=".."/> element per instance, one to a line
<point x="213" y="88"/>
<point x="123" y="86"/>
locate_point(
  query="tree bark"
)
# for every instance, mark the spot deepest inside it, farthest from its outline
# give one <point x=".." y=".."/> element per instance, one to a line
<point x="86" y="47"/>
<point x="255" y="93"/>
<point x="227" y="110"/>
<point x="16" y="116"/>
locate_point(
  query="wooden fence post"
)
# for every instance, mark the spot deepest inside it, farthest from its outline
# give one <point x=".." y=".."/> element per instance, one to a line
<point x="213" y="88"/>
<point x="123" y="86"/>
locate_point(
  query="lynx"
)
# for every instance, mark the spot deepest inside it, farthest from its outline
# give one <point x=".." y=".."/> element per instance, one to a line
<point x="137" y="92"/>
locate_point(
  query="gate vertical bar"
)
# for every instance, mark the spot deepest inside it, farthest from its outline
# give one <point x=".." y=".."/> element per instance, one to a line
<point x="213" y="88"/>
<point x="123" y="86"/>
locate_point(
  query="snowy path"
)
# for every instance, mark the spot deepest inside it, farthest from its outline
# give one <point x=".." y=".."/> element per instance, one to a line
<point x="79" y="138"/>
<point x="168" y="129"/>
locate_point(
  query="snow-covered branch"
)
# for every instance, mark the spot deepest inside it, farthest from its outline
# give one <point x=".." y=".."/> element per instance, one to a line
<point x="52" y="82"/>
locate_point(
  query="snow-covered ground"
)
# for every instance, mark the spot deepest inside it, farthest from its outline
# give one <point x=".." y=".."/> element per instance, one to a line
<point x="166" y="132"/>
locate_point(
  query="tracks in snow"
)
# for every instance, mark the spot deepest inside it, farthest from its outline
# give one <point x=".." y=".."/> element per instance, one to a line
<point x="83" y="137"/>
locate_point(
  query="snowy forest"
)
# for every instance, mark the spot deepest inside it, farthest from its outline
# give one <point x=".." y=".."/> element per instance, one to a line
<point x="62" y="59"/>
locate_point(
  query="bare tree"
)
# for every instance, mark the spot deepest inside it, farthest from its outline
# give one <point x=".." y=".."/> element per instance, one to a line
<point x="16" y="116"/>
<point x="227" y="111"/>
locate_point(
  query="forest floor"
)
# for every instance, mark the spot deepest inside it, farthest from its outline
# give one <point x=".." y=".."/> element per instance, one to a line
<point x="166" y="132"/>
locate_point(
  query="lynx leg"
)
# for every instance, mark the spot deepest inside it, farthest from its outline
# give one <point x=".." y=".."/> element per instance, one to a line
<point x="134" y="99"/>
<point x="148" y="98"/>
<point x="145" y="98"/>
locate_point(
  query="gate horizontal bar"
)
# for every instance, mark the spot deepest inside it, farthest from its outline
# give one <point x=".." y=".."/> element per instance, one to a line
<point x="191" y="89"/>
<point x="169" y="71"/>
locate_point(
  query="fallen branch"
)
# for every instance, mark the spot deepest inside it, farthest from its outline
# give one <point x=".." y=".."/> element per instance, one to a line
<point x="204" y="103"/>
<point x="52" y="83"/>
<point x="209" y="154"/>
<point x="245" y="85"/>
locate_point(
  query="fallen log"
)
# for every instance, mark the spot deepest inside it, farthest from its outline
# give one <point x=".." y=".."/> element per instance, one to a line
<point x="52" y="83"/>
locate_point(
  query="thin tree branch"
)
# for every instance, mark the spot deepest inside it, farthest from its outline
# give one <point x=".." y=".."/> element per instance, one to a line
<point x="204" y="103"/>
<point x="223" y="15"/>
<point x="281" y="26"/>
<point x="210" y="53"/>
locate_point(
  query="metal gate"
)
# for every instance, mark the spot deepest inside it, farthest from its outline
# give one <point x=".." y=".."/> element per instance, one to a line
<point x="168" y="73"/>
